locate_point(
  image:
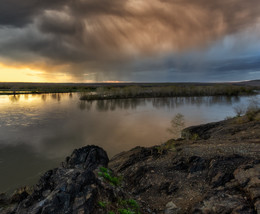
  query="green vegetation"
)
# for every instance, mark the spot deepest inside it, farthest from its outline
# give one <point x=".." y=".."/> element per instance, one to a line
<point x="121" y="207"/>
<point x="195" y="137"/>
<point x="39" y="88"/>
<point x="102" y="204"/>
<point x="124" y="211"/>
<point x="107" y="175"/>
<point x="176" y="90"/>
<point x="130" y="207"/>
<point x="169" y="145"/>
<point x="97" y="91"/>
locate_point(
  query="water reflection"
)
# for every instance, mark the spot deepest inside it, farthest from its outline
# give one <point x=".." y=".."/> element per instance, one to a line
<point x="39" y="131"/>
<point x="112" y="105"/>
<point x="43" y="97"/>
<point x="85" y="105"/>
<point x="56" y="96"/>
<point x="26" y="96"/>
<point x="14" y="98"/>
<point x="17" y="166"/>
<point x="198" y="101"/>
<point x="170" y="103"/>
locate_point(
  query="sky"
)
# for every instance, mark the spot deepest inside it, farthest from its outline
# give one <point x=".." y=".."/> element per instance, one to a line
<point x="129" y="40"/>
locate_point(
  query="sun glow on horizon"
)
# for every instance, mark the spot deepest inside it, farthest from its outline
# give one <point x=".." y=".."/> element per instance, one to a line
<point x="20" y="74"/>
<point x="10" y="73"/>
<point x="27" y="74"/>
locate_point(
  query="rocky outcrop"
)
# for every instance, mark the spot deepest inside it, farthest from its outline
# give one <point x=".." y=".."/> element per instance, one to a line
<point x="214" y="169"/>
<point x="217" y="172"/>
<point x="74" y="187"/>
<point x="236" y="128"/>
<point x="194" y="184"/>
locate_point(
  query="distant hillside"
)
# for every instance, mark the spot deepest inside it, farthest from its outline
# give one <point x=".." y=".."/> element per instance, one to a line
<point x="255" y="83"/>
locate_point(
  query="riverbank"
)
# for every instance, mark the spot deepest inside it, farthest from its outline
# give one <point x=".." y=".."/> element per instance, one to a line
<point x="213" y="168"/>
<point x="177" y="90"/>
<point x="97" y="91"/>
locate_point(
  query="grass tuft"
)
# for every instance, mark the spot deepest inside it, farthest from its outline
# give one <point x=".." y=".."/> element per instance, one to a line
<point x="107" y="175"/>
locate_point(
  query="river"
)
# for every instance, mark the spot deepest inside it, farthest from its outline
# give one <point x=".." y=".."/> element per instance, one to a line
<point x="37" y="132"/>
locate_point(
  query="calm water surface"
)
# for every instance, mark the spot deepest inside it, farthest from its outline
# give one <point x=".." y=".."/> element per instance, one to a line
<point x="38" y="131"/>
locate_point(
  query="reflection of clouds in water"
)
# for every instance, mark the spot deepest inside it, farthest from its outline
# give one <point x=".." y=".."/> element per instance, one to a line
<point x="58" y="137"/>
<point x="25" y="110"/>
<point x="20" y="166"/>
<point x="49" y="129"/>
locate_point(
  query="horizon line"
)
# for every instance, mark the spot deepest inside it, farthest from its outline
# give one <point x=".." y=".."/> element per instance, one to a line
<point x="128" y="82"/>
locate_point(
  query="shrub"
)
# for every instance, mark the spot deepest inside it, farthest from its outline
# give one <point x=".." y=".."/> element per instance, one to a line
<point x="169" y="145"/>
<point x="250" y="112"/>
<point x="240" y="110"/>
<point x="177" y="124"/>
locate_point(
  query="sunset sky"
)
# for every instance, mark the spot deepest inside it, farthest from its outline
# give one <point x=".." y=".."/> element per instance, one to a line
<point x="129" y="40"/>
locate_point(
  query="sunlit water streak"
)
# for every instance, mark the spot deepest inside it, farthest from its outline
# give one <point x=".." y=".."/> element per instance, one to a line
<point x="38" y="131"/>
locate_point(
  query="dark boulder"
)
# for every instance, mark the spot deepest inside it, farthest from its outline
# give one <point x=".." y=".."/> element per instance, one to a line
<point x="88" y="157"/>
<point x="71" y="188"/>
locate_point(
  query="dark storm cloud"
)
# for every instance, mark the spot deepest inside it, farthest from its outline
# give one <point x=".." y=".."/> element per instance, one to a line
<point x="58" y="25"/>
<point x="247" y="63"/>
<point x="100" y="7"/>
<point x="195" y="68"/>
<point x="19" y="13"/>
<point x="111" y="34"/>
